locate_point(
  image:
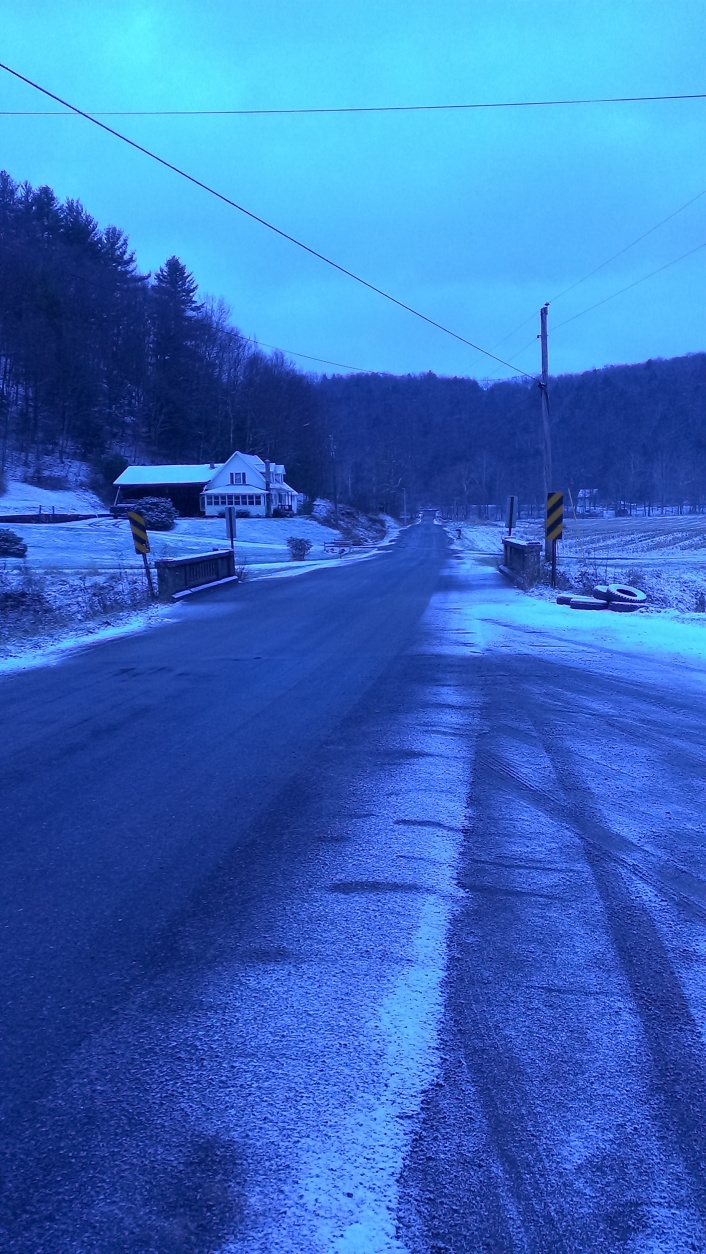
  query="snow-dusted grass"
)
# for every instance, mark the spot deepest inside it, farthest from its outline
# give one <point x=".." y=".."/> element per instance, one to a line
<point x="28" y="498"/>
<point x="501" y="616"/>
<point x="105" y="544"/>
<point x="665" y="556"/>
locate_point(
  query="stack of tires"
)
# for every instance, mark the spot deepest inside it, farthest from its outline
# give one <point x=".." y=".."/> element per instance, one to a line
<point x="619" y="597"/>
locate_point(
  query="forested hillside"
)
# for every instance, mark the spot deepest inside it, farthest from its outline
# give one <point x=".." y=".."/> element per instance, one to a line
<point x="636" y="433"/>
<point x="98" y="358"/>
<point x="100" y="361"/>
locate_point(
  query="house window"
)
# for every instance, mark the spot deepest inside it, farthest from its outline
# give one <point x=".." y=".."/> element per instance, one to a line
<point x="230" y="499"/>
<point x="237" y="476"/>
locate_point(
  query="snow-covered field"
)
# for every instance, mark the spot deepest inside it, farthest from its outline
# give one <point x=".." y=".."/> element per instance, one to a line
<point x="664" y="555"/>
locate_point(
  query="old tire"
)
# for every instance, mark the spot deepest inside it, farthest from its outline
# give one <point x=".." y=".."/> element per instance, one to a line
<point x="601" y="592"/>
<point x="624" y="607"/>
<point x="588" y="603"/>
<point x="623" y="592"/>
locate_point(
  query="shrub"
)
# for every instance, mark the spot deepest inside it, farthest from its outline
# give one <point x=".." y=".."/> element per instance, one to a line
<point x="242" y="513"/>
<point x="11" y="545"/>
<point x="158" y="512"/>
<point x="278" y="512"/>
<point x="298" y="548"/>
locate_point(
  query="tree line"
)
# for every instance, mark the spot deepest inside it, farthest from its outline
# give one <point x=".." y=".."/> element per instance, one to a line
<point x="103" y="362"/>
<point x="100" y="361"/>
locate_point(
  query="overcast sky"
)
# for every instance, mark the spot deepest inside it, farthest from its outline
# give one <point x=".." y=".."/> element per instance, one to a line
<point x="475" y="218"/>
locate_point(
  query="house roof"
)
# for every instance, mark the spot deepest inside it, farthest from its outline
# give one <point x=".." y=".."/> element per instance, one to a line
<point x="255" y="470"/>
<point x="142" y="476"/>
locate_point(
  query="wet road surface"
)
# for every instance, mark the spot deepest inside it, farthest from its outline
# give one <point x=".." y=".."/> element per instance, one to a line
<point x="339" y="916"/>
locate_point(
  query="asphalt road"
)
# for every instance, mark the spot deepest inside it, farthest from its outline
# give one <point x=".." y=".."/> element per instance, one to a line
<point x="339" y="915"/>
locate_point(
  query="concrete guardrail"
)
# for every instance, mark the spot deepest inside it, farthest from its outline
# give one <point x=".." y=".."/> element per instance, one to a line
<point x="521" y="561"/>
<point x="179" y="575"/>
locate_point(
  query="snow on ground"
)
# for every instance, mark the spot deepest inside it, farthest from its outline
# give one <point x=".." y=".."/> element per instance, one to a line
<point x="504" y="617"/>
<point x="665" y="556"/>
<point x="28" y="498"/>
<point x="86" y="567"/>
<point x="105" y="544"/>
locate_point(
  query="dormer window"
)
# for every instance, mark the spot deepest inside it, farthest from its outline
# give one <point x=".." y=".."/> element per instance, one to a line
<point x="237" y="476"/>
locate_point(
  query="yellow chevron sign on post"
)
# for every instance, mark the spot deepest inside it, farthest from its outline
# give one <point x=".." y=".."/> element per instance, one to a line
<point x="555" y="515"/>
<point x="139" y="532"/>
<point x="142" y="544"/>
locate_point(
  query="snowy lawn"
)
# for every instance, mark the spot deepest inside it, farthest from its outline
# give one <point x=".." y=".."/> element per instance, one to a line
<point x="105" y="544"/>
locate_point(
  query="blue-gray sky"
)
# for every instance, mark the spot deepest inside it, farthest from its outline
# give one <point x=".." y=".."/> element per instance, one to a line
<point x="476" y="218"/>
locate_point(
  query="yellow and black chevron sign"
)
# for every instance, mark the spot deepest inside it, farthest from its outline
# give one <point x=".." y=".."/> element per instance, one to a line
<point x="139" y="532"/>
<point x="555" y="515"/>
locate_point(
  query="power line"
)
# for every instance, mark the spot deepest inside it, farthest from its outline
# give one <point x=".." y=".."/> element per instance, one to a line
<point x="291" y="353"/>
<point x="134" y="279"/>
<point x="627" y="288"/>
<point x="612" y="296"/>
<point x="630" y="245"/>
<point x="262" y="221"/>
<point x="602" y="266"/>
<point x="424" y="108"/>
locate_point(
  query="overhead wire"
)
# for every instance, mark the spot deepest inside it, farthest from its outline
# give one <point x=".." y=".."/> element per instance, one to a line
<point x="290" y="352"/>
<point x="602" y="266"/>
<point x="627" y="247"/>
<point x="629" y="286"/>
<point x="643" y="279"/>
<point x="419" y="108"/>
<point x="134" y="279"/>
<point x="190" y="178"/>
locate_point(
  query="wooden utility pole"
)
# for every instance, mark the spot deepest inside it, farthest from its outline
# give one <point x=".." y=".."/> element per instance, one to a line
<point x="546" y="433"/>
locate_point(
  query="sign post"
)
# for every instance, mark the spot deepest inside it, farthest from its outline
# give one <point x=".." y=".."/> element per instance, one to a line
<point x="512" y="512"/>
<point x="142" y="544"/>
<point x="554" y="525"/>
<point x="231" y="525"/>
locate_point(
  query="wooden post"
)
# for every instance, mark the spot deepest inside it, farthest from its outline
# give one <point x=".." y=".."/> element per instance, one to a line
<point x="148" y="573"/>
<point x="553" y="544"/>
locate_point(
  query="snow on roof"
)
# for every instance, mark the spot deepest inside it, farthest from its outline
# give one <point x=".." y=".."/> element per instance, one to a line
<point x="139" y="476"/>
<point x="252" y="458"/>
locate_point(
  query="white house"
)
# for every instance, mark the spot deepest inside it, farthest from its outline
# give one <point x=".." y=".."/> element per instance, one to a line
<point x="245" y="481"/>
